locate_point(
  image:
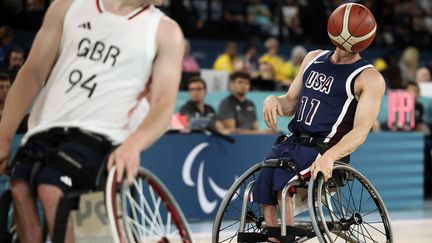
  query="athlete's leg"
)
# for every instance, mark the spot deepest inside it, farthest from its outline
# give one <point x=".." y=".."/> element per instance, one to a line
<point x="270" y="215"/>
<point x="289" y="212"/>
<point x="49" y="196"/>
<point x="263" y="193"/>
<point x="29" y="228"/>
<point x="270" y="218"/>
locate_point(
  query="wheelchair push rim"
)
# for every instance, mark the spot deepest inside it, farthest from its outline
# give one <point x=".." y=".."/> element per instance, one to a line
<point x="347" y="208"/>
<point x="227" y="224"/>
<point x="145" y="211"/>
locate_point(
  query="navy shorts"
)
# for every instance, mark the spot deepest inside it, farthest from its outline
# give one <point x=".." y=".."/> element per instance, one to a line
<point x="272" y="180"/>
<point x="90" y="152"/>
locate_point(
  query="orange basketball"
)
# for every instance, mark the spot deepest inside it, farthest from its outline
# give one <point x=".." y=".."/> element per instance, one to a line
<point x="351" y="27"/>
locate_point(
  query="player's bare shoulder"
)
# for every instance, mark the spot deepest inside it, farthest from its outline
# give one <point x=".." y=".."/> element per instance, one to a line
<point x="371" y="79"/>
<point x="310" y="56"/>
<point x="169" y="31"/>
<point x="58" y="9"/>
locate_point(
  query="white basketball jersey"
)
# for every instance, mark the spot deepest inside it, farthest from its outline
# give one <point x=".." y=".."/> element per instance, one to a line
<point x="105" y="61"/>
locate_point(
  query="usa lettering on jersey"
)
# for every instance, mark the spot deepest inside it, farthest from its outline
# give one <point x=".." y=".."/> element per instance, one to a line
<point x="319" y="81"/>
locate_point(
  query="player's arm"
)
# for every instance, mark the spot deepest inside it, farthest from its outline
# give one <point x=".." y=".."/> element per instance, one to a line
<point x="372" y="89"/>
<point x="285" y="105"/>
<point x="33" y="73"/>
<point x="165" y="82"/>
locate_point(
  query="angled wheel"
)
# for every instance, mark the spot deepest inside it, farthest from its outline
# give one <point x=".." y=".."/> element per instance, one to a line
<point x="347" y="208"/>
<point x="228" y="218"/>
<point x="8" y="231"/>
<point x="144" y="211"/>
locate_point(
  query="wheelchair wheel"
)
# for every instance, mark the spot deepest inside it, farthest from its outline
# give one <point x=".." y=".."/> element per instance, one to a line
<point x="8" y="232"/>
<point x="144" y="211"/>
<point x="227" y="224"/>
<point x="347" y="208"/>
<point x="8" y="227"/>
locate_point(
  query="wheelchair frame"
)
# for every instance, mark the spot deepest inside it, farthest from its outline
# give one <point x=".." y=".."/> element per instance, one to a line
<point x="113" y="190"/>
<point x="320" y="207"/>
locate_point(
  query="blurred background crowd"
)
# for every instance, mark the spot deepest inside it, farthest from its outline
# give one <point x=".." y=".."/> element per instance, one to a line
<point x="242" y="46"/>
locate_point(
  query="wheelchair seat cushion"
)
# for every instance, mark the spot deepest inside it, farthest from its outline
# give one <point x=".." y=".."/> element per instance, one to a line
<point x="272" y="180"/>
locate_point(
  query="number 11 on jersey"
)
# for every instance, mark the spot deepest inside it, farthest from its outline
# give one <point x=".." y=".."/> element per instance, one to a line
<point x="314" y="107"/>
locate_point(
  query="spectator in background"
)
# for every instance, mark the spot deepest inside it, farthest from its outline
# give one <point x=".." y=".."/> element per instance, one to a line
<point x="225" y="62"/>
<point x="234" y="20"/>
<point x="5" y="83"/>
<point x="6" y="44"/>
<point x="196" y="108"/>
<point x="423" y="74"/>
<point x="259" y="17"/>
<point x="251" y="60"/>
<point x="313" y="20"/>
<point x="266" y="72"/>
<point x="210" y="16"/>
<point x="240" y="66"/>
<point x="16" y="60"/>
<point x="389" y="68"/>
<point x="189" y="63"/>
<point x="291" y="20"/>
<point x="422" y="21"/>
<point x="265" y="80"/>
<point x="292" y="67"/>
<point x="238" y="114"/>
<point x="420" y="126"/>
<point x="186" y="15"/>
<point x="409" y="63"/>
<point x="272" y="57"/>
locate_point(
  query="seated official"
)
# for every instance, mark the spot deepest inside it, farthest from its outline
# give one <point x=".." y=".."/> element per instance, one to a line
<point x="238" y="114"/>
<point x="200" y="115"/>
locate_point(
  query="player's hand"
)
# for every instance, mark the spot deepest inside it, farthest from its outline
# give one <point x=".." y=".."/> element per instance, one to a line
<point x="5" y="148"/>
<point x="126" y="158"/>
<point x="271" y="109"/>
<point x="323" y="164"/>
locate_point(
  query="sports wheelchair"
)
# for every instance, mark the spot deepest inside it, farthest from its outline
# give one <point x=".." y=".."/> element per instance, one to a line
<point x="144" y="211"/>
<point x="346" y="208"/>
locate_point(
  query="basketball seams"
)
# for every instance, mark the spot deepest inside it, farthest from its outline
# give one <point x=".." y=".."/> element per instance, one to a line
<point x="352" y="16"/>
<point x="346" y="35"/>
<point x="334" y="25"/>
<point x="359" y="25"/>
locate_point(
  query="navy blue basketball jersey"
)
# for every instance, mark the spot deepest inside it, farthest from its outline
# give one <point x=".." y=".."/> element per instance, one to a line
<point x="327" y="104"/>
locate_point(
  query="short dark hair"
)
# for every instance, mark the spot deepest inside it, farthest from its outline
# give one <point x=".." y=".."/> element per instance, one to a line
<point x="18" y="50"/>
<point x="6" y="31"/>
<point x="5" y="77"/>
<point x="197" y="79"/>
<point x="240" y="74"/>
<point x="413" y="84"/>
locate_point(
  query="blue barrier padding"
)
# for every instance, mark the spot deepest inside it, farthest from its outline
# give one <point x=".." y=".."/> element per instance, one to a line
<point x="393" y="162"/>
<point x="214" y="98"/>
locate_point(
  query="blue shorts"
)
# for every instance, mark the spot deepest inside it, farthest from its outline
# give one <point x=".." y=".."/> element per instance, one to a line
<point x="272" y="180"/>
<point x="91" y="154"/>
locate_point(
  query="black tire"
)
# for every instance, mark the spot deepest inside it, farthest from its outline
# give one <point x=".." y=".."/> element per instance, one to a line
<point x="133" y="224"/>
<point x="227" y="222"/>
<point x="347" y="208"/>
<point x="7" y="226"/>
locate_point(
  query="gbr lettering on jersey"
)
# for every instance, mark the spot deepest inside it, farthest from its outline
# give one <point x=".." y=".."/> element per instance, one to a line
<point x="96" y="51"/>
<point x="319" y="81"/>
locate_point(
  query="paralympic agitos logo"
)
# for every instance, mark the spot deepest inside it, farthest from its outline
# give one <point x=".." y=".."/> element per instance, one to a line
<point x="208" y="206"/>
